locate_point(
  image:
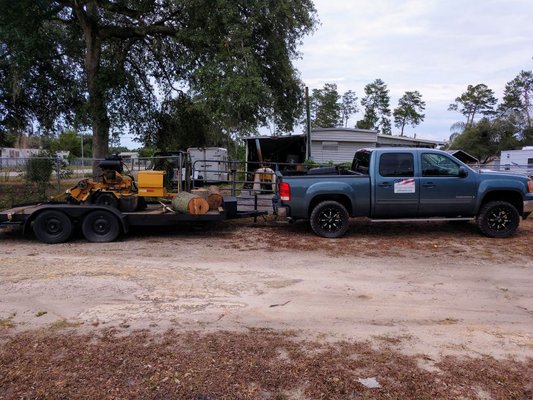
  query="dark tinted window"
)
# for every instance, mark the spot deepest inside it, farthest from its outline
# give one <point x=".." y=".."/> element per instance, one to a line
<point x="361" y="162"/>
<point x="396" y="164"/>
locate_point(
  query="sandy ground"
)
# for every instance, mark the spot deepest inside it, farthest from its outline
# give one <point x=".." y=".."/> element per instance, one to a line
<point x="433" y="289"/>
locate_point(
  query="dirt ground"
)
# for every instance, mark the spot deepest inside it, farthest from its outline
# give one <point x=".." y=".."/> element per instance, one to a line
<point x="425" y="292"/>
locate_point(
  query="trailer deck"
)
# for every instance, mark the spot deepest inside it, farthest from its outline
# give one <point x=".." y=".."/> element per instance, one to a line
<point x="54" y="222"/>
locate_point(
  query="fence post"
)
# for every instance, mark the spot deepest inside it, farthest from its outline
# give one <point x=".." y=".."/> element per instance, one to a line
<point x="233" y="177"/>
<point x="58" y="172"/>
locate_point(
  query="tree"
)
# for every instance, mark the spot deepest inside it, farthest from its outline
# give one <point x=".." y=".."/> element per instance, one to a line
<point x="107" y="63"/>
<point x="478" y="99"/>
<point x="376" y="105"/>
<point x="486" y="139"/>
<point x="409" y="110"/>
<point x="68" y="140"/>
<point x="348" y="106"/>
<point x="518" y="100"/>
<point x="182" y="123"/>
<point x="325" y="107"/>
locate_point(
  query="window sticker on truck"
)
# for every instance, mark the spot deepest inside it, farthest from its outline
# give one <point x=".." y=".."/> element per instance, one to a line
<point x="405" y="186"/>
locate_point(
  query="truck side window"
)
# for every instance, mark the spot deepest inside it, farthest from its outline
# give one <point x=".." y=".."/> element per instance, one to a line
<point x="438" y="165"/>
<point x="396" y="164"/>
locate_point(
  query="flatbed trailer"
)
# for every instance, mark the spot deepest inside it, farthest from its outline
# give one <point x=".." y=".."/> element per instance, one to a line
<point x="55" y="222"/>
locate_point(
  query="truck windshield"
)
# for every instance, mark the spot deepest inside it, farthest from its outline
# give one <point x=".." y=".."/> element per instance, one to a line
<point x="361" y="161"/>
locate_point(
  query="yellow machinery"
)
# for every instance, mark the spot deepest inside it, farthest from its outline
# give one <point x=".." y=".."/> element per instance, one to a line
<point x="118" y="190"/>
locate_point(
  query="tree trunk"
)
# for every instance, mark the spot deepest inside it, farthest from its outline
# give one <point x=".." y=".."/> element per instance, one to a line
<point x="97" y="105"/>
<point x="189" y="204"/>
<point x="214" y="198"/>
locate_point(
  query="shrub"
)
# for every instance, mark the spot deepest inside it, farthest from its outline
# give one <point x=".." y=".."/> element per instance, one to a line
<point x="39" y="169"/>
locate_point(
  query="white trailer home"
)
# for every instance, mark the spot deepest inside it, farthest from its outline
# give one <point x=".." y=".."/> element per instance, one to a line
<point x="520" y="161"/>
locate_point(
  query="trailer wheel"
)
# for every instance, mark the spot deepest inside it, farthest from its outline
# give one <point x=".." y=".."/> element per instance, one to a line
<point x="107" y="199"/>
<point x="52" y="227"/>
<point x="100" y="226"/>
<point x="498" y="219"/>
<point x="330" y="219"/>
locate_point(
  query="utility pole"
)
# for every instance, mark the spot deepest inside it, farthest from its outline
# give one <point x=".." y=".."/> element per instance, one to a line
<point x="308" y="114"/>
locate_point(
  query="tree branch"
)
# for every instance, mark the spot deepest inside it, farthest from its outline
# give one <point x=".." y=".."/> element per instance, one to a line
<point x="121" y="32"/>
<point x="119" y="9"/>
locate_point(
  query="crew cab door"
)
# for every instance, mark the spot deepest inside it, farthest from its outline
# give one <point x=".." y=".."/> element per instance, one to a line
<point x="445" y="190"/>
<point x="396" y="192"/>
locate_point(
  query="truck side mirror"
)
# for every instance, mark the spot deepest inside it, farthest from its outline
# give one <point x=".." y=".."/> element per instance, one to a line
<point x="463" y="173"/>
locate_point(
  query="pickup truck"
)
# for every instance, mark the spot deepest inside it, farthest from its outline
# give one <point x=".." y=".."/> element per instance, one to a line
<point x="405" y="184"/>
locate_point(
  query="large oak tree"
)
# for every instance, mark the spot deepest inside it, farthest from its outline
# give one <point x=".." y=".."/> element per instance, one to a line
<point x="110" y="64"/>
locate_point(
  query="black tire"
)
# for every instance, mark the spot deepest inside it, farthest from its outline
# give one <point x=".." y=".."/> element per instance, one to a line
<point x="100" y="226"/>
<point x="52" y="227"/>
<point x="498" y="219"/>
<point x="330" y="219"/>
<point x="107" y="199"/>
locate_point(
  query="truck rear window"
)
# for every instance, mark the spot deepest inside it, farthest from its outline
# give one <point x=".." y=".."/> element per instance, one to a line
<point x="396" y="164"/>
<point x="361" y="162"/>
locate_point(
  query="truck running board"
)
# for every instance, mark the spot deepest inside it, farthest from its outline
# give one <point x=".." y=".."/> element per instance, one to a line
<point x="421" y="219"/>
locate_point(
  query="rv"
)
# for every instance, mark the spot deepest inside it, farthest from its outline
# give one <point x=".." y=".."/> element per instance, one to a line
<point x="520" y="161"/>
<point x="209" y="164"/>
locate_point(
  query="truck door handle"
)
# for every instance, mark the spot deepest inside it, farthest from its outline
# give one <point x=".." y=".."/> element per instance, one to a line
<point x="429" y="185"/>
<point x="384" y="184"/>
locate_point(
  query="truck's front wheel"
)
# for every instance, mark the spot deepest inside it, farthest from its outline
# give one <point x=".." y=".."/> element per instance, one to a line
<point x="498" y="219"/>
<point x="330" y="219"/>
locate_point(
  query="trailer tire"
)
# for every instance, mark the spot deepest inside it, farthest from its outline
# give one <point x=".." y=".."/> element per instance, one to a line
<point x="52" y="227"/>
<point x="107" y="199"/>
<point x="100" y="226"/>
<point x="330" y="219"/>
<point x="498" y="219"/>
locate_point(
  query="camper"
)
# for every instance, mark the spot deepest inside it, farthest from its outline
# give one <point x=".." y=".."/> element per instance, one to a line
<point x="209" y="164"/>
<point x="520" y="161"/>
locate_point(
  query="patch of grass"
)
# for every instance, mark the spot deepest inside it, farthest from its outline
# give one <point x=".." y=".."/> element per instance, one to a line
<point x="7" y="323"/>
<point x="63" y="324"/>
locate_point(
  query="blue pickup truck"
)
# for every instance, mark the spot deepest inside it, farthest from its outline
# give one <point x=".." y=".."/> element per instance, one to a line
<point x="405" y="184"/>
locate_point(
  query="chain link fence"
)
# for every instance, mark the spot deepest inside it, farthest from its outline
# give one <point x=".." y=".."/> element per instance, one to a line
<point x="27" y="180"/>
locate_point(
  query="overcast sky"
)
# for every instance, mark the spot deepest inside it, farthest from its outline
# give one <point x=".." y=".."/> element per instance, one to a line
<point x="437" y="47"/>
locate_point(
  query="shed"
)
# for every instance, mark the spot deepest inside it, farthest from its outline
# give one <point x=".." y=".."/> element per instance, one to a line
<point x="463" y="156"/>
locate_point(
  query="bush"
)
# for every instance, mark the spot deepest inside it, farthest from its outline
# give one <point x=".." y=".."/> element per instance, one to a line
<point x="39" y="169"/>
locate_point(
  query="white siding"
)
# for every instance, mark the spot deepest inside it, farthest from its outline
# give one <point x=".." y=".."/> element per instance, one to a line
<point x="344" y="135"/>
<point x="344" y="153"/>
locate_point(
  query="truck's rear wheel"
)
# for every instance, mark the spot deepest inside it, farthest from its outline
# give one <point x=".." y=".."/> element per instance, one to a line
<point x="330" y="219"/>
<point x="100" y="226"/>
<point x="498" y="219"/>
<point x="52" y="227"/>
